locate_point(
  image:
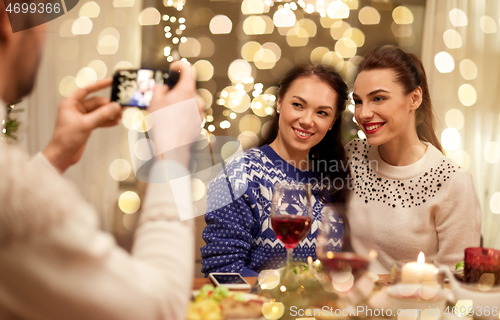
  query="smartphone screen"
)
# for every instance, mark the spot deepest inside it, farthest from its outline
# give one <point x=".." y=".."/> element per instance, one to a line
<point x="229" y="279"/>
<point x="134" y="88"/>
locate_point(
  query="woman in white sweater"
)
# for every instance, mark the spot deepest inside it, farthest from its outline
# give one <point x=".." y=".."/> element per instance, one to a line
<point x="410" y="195"/>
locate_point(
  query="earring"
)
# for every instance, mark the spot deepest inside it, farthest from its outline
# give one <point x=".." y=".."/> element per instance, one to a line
<point x="278" y="111"/>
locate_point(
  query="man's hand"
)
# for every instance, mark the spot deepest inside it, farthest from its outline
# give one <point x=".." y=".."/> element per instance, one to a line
<point x="76" y="118"/>
<point x="176" y="123"/>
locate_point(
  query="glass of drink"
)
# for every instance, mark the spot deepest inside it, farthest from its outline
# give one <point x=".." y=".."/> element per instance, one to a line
<point x="291" y="214"/>
<point x="342" y="266"/>
<point x="482" y="265"/>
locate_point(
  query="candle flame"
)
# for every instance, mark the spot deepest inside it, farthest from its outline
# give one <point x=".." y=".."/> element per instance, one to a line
<point x="421" y="258"/>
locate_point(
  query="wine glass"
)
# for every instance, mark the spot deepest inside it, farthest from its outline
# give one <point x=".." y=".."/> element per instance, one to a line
<point x="342" y="266"/>
<point x="291" y="215"/>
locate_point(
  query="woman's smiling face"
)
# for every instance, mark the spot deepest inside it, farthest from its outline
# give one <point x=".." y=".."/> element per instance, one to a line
<point x="383" y="110"/>
<point x="307" y="112"/>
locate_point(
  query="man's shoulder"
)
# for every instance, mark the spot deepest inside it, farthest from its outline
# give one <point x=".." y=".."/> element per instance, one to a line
<point x="32" y="197"/>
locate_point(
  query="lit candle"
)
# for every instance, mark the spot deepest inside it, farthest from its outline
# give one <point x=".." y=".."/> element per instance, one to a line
<point x="419" y="272"/>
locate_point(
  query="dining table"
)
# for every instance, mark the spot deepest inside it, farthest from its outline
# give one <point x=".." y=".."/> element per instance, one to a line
<point x="382" y="282"/>
<point x="382" y="279"/>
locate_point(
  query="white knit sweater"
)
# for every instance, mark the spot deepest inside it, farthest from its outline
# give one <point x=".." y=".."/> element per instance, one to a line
<point x="55" y="263"/>
<point x="428" y="206"/>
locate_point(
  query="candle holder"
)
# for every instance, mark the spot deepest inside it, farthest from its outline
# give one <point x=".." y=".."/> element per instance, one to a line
<point x="416" y="301"/>
<point x="482" y="265"/>
<point x="396" y="268"/>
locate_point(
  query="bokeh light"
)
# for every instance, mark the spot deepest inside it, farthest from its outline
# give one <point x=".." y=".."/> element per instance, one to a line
<point x="86" y="76"/>
<point x="149" y="17"/>
<point x="249" y="50"/>
<point x="267" y="56"/>
<point x="248" y="139"/>
<point x="488" y="24"/>
<point x="467" y="95"/>
<point x="67" y="86"/>
<point x="89" y="9"/>
<point x="402" y="15"/>
<point x="120" y="169"/>
<point x="99" y="67"/>
<point x="221" y="24"/>
<point x="254" y="7"/>
<point x="254" y="25"/>
<point x="198" y="189"/>
<point x="369" y="16"/>
<point x="144" y="149"/>
<point x="250" y="123"/>
<point x="123" y="3"/>
<point x="273" y="310"/>
<point x="132" y="115"/>
<point x="450" y="138"/>
<point x="297" y="37"/>
<point x="454" y="119"/>
<point x="230" y="149"/>
<point x="190" y="49"/>
<point x="444" y="62"/>
<point x="207" y="97"/>
<point x="333" y="59"/>
<point x="495" y="202"/>
<point x="338" y="10"/>
<point x="346" y="48"/>
<point x="308" y="25"/>
<point x="317" y="54"/>
<point x="82" y="25"/>
<point x="204" y="70"/>
<point x="108" y="41"/>
<point x="123" y="65"/>
<point x="458" y="18"/>
<point x="468" y="69"/>
<point x="401" y="30"/>
<point x="239" y="70"/>
<point x="452" y="39"/>
<point x="355" y="35"/>
<point x="129" y="202"/>
<point x="338" y="28"/>
<point x="284" y="18"/>
<point x="207" y="47"/>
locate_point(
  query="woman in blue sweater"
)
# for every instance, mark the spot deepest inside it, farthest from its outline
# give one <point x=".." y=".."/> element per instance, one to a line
<point x="304" y="145"/>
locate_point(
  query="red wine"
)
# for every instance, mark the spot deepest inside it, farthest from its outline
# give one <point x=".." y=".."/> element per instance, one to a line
<point x="345" y="261"/>
<point x="290" y="229"/>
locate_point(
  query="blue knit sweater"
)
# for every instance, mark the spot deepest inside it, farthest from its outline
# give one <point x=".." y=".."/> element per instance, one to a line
<point x="238" y="235"/>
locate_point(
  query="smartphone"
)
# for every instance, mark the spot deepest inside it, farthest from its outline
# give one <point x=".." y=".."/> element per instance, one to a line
<point x="134" y="88"/>
<point x="230" y="280"/>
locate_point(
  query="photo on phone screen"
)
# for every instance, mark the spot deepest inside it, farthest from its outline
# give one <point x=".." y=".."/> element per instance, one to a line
<point x="134" y="88"/>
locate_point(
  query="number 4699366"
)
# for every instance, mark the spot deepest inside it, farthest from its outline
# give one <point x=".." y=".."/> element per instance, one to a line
<point x="33" y="8"/>
<point x="463" y="311"/>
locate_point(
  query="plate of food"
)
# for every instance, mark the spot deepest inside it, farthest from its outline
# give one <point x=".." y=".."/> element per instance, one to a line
<point x="219" y="303"/>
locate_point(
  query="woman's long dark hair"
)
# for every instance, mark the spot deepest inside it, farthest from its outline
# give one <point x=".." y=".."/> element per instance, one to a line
<point x="410" y="74"/>
<point x="330" y="149"/>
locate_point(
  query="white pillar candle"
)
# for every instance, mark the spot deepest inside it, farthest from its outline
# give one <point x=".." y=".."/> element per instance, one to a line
<point x="419" y="272"/>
